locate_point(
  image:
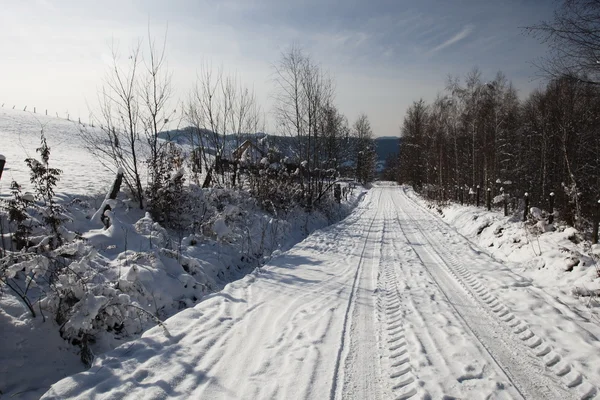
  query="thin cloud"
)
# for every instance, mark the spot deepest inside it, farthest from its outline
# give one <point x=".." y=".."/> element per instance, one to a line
<point x="466" y="31"/>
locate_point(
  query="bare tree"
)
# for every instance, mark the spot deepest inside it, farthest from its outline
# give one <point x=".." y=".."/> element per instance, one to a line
<point x="290" y="101"/>
<point x="156" y="92"/>
<point x="574" y="41"/>
<point x="412" y="147"/>
<point x="133" y="106"/>
<point x="117" y="143"/>
<point x="304" y="96"/>
<point x="220" y="106"/>
<point x="365" y="149"/>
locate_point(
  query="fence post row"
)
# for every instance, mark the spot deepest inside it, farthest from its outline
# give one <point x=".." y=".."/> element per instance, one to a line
<point x="46" y="112"/>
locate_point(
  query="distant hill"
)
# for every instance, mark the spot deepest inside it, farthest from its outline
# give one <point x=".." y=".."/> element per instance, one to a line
<point x="385" y="146"/>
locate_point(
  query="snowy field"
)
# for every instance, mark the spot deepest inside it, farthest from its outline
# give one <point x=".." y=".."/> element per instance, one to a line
<point x="390" y="303"/>
<point x="20" y="136"/>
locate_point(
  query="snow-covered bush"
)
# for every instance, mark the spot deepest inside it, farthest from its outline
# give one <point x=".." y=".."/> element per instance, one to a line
<point x="51" y="269"/>
<point x="16" y="209"/>
<point x="165" y="191"/>
<point x="44" y="179"/>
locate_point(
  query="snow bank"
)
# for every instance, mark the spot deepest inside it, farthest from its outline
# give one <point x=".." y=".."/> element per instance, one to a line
<point x="555" y="257"/>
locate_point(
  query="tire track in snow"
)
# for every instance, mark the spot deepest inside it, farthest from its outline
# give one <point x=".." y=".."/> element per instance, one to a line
<point x="572" y="379"/>
<point x="309" y="310"/>
<point x="361" y="362"/>
<point x="528" y="378"/>
<point x="445" y="364"/>
<point x="337" y="389"/>
<point x="396" y="363"/>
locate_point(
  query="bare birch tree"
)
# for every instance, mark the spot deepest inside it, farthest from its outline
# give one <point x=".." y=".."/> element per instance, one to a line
<point x="573" y="41"/>
<point x="117" y="144"/>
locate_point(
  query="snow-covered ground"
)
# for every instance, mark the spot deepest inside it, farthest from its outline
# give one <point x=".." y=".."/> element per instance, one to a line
<point x="396" y="301"/>
<point x="137" y="265"/>
<point x="555" y="256"/>
<point x="389" y="303"/>
<point x="20" y="136"/>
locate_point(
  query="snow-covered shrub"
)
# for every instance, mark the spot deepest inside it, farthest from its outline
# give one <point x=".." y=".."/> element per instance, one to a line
<point x="275" y="189"/>
<point x="165" y="191"/>
<point x="16" y="209"/>
<point x="35" y="229"/>
<point x="44" y="179"/>
<point x="157" y="235"/>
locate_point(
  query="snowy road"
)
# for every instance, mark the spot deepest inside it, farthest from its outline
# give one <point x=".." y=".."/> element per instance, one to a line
<point x="383" y="305"/>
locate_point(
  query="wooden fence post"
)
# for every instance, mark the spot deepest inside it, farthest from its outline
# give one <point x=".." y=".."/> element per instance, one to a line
<point x="337" y="192"/>
<point x="489" y="199"/>
<point x="2" y="163"/>
<point x="114" y="191"/>
<point x="504" y="201"/>
<point x="526" y="211"/>
<point x="596" y="222"/>
<point x="551" y="215"/>
<point x="478" y="195"/>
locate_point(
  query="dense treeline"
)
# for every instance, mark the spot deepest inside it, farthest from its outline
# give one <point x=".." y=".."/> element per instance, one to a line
<point x="480" y="133"/>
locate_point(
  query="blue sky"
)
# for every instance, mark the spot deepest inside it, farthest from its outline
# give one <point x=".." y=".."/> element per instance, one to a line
<point x="383" y="54"/>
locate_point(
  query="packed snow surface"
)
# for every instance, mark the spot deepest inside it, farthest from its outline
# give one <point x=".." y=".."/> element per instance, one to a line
<point x="389" y="303"/>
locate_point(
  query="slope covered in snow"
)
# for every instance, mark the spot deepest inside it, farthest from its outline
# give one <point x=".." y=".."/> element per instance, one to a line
<point x="389" y="303"/>
<point x="20" y="136"/>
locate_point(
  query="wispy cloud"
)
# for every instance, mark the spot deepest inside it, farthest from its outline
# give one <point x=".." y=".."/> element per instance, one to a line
<point x="464" y="33"/>
<point x="380" y="52"/>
